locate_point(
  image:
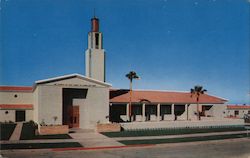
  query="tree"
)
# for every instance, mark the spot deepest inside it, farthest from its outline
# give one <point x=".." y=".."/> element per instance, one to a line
<point x="197" y="91"/>
<point x="131" y="75"/>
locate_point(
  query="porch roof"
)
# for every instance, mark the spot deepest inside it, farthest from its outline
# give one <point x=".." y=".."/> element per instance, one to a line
<point x="232" y="107"/>
<point x="151" y="96"/>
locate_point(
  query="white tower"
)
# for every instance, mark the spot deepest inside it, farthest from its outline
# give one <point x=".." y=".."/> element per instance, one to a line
<point x="95" y="55"/>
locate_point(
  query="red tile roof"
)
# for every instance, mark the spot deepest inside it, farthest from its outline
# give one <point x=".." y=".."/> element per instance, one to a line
<point x="122" y="96"/>
<point x="238" y="106"/>
<point x="16" y="106"/>
<point x="16" y="88"/>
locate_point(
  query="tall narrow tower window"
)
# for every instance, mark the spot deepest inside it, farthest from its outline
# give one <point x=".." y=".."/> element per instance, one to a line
<point x="97" y="40"/>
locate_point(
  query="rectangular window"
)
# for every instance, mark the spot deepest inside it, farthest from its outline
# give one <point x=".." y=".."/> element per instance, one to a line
<point x="97" y="40"/>
<point x="165" y="109"/>
<point x="20" y="115"/>
<point x="151" y="109"/>
<point x="236" y="112"/>
<point x="136" y="109"/>
<point x="179" y="109"/>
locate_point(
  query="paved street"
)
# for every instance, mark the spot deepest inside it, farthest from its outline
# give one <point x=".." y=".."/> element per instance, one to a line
<point x="235" y="148"/>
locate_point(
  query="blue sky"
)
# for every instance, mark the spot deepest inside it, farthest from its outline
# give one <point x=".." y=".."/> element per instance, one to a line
<point x="171" y="44"/>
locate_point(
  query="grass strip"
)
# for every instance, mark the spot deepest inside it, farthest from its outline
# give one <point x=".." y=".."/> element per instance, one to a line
<point x="6" y="130"/>
<point x="178" y="131"/>
<point x="178" y="140"/>
<point x="40" y="145"/>
<point x="28" y="131"/>
<point x="54" y="136"/>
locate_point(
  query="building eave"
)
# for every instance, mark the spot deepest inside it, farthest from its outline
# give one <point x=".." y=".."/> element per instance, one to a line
<point x="26" y="89"/>
<point x="69" y="76"/>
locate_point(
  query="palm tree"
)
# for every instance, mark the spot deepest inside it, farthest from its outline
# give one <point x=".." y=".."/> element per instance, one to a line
<point x="131" y="75"/>
<point x="196" y="92"/>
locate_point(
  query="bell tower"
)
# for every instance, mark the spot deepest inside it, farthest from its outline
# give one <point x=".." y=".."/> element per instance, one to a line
<point x="95" y="54"/>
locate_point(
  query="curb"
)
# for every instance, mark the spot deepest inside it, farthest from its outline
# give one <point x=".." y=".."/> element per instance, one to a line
<point x="102" y="147"/>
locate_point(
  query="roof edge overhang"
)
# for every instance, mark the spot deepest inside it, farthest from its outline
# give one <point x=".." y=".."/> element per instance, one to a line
<point x="16" y="106"/>
<point x="159" y="90"/>
<point x="69" y="76"/>
<point x="26" y="89"/>
<point x="163" y="103"/>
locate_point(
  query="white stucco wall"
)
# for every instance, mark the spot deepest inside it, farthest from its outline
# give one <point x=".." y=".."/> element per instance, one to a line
<point x="8" y="97"/>
<point x="7" y="117"/>
<point x="242" y="112"/>
<point x="192" y="109"/>
<point x="95" y="64"/>
<point x="29" y="115"/>
<point x="11" y="115"/>
<point x="22" y="98"/>
<point x="219" y="110"/>
<point x="50" y="104"/>
<point x="216" y="111"/>
<point x="35" y="104"/>
<point x="99" y="107"/>
<point x="93" y="109"/>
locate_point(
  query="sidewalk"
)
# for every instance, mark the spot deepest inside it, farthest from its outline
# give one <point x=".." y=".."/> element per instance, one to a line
<point x="17" y="132"/>
<point x="86" y="139"/>
<point x="93" y="139"/>
<point x="178" y="136"/>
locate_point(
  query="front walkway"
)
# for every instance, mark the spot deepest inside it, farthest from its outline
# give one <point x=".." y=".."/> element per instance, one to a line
<point x="93" y="139"/>
<point x="17" y="132"/>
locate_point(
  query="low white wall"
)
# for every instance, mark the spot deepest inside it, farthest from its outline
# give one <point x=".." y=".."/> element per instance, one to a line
<point x="181" y="124"/>
<point x="138" y="118"/>
<point x="124" y="117"/>
<point x="168" y="117"/>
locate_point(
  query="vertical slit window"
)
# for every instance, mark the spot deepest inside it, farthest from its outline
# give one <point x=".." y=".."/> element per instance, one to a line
<point x="97" y="40"/>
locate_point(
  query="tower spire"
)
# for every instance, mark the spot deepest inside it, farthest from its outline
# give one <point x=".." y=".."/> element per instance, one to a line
<point x="94" y="23"/>
<point x="95" y="55"/>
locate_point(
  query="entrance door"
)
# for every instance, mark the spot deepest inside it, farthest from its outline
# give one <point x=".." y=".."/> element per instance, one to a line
<point x="20" y="116"/>
<point x="73" y="112"/>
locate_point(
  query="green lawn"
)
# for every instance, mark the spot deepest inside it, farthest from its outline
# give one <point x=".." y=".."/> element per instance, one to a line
<point x="28" y="133"/>
<point x="6" y="130"/>
<point x="177" y="140"/>
<point x="160" y="132"/>
<point x="39" y="145"/>
<point x="54" y="136"/>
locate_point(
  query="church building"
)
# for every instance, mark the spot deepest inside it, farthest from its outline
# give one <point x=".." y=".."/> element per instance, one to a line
<point x="74" y="99"/>
<point x="84" y="101"/>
